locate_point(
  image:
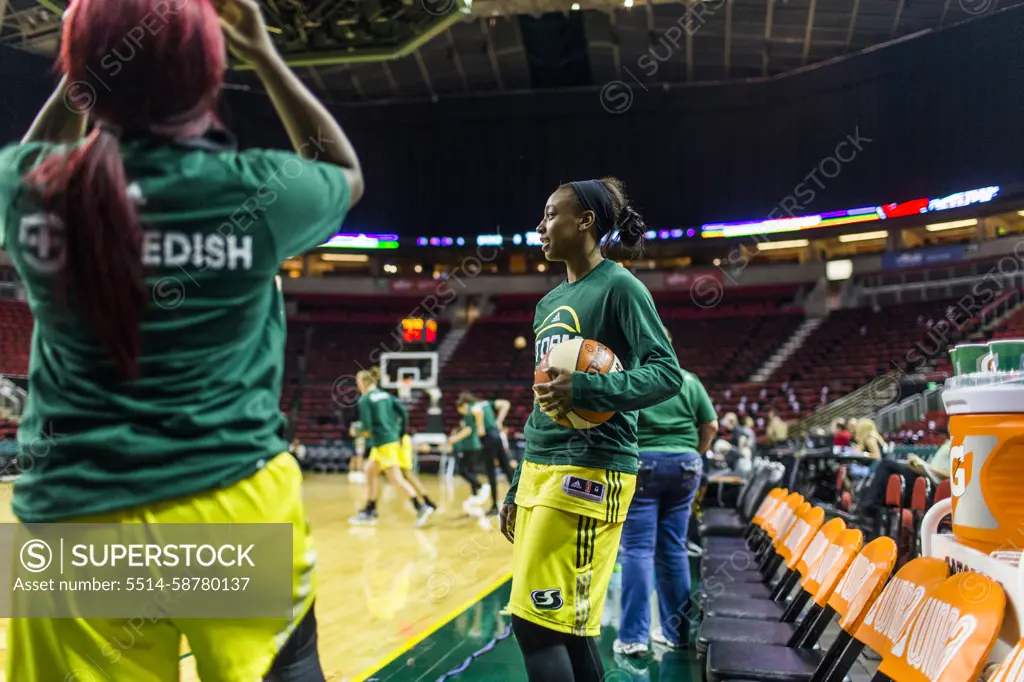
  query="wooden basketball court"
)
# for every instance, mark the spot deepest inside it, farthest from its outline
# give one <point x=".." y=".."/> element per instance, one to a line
<point x="383" y="589"/>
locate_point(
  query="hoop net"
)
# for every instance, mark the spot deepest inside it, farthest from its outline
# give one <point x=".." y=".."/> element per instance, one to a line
<point x="405" y="389"/>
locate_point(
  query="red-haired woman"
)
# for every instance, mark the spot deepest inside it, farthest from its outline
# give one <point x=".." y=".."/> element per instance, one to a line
<point x="148" y="249"/>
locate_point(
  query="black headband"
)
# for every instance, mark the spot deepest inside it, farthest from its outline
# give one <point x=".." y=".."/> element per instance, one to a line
<point x="593" y="196"/>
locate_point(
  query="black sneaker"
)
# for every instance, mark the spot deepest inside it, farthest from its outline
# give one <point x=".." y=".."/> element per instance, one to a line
<point x="493" y="511"/>
<point x="364" y="518"/>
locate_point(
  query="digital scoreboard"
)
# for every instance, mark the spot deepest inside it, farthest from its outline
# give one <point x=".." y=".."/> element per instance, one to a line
<point x="418" y="330"/>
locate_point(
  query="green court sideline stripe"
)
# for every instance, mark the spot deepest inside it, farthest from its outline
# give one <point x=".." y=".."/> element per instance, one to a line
<point x="437" y="625"/>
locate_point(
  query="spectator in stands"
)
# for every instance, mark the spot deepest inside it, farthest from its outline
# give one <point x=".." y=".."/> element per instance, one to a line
<point x="749" y="432"/>
<point x="777" y="431"/>
<point x="164" y="412"/>
<point x="936" y="468"/>
<point x="736" y="447"/>
<point x="867" y="440"/>
<point x="842" y="434"/>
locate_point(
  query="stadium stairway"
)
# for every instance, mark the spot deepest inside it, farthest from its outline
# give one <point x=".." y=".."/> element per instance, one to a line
<point x="1010" y="324"/>
<point x="792" y="345"/>
<point x="450" y="344"/>
<point x="867" y="399"/>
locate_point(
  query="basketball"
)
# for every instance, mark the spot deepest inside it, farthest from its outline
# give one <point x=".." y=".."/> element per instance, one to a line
<point x="579" y="355"/>
<point x="520" y="342"/>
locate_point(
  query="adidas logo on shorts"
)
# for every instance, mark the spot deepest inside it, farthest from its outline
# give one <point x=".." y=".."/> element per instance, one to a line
<point x="574" y="486"/>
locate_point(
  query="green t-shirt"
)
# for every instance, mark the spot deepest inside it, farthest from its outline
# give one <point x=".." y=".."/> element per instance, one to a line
<point x="490" y="417"/>
<point x="205" y="412"/>
<point x="381" y="418"/>
<point x="472" y="441"/>
<point x="611" y="306"/>
<point x="671" y="426"/>
<point x="403" y="417"/>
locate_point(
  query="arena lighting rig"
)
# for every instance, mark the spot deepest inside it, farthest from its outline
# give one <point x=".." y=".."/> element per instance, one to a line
<point x="851" y="216"/>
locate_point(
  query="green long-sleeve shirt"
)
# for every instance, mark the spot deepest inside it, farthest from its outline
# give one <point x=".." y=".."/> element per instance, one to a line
<point x="380" y="418"/>
<point x="611" y="306"/>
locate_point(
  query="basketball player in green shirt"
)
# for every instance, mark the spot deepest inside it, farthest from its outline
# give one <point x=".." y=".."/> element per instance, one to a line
<point x="487" y="423"/>
<point x="149" y="249"/>
<point x="568" y="500"/>
<point x="467" y="439"/>
<point x="384" y="422"/>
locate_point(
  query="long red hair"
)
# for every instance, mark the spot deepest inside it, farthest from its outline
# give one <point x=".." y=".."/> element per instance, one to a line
<point x="141" y="65"/>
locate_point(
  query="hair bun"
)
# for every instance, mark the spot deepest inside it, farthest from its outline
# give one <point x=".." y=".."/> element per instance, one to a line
<point x="631" y="227"/>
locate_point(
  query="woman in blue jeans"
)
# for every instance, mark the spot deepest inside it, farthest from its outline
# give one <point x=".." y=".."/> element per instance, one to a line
<point x="672" y="436"/>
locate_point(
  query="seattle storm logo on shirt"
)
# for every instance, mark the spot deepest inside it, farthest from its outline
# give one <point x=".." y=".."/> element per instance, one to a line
<point x="561" y="319"/>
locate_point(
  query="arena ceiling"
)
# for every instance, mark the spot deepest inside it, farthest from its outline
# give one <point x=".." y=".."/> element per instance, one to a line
<point x="377" y="50"/>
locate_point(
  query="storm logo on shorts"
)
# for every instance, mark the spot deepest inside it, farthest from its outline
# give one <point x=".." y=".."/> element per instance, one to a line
<point x="547" y="600"/>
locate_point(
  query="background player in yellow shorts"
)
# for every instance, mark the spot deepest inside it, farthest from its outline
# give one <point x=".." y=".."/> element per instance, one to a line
<point x="384" y="425"/>
<point x="570" y="495"/>
<point x="160" y="411"/>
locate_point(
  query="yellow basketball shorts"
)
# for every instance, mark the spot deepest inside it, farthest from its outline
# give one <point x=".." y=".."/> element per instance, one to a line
<point x="387" y="455"/>
<point x="144" y="650"/>
<point x="568" y="525"/>
<point x="405" y="454"/>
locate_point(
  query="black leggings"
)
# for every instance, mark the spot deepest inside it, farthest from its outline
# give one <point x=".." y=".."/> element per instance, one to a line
<point x="555" y="656"/>
<point x="298" y="660"/>
<point x="466" y="461"/>
<point x="487" y="457"/>
<point x="495" y="450"/>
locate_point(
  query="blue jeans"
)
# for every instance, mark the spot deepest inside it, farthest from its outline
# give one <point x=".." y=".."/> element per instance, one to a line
<point x="654" y="546"/>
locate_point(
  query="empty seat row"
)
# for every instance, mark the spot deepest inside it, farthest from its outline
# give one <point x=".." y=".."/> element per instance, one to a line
<point x="767" y="597"/>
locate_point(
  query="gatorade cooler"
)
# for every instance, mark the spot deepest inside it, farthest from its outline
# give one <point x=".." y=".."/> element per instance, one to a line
<point x="986" y="426"/>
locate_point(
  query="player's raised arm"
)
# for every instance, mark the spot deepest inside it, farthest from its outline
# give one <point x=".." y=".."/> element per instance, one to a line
<point x="313" y="130"/>
<point x="59" y="122"/>
<point x="502" y="406"/>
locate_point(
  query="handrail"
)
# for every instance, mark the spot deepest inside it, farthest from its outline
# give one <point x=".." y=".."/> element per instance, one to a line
<point x="930" y="523"/>
<point x="879" y="393"/>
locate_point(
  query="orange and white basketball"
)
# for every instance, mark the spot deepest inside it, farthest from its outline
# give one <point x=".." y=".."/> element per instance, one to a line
<point x="579" y="355"/>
